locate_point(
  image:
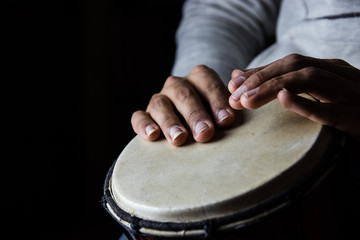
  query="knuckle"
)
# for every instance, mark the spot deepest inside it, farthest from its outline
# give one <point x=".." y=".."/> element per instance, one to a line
<point x="138" y="119"/>
<point x="183" y="93"/>
<point x="311" y="72"/>
<point x="136" y="114"/>
<point x="158" y="101"/>
<point x="314" y="77"/>
<point x="339" y="61"/>
<point x="215" y="86"/>
<point x="194" y="115"/>
<point x="200" y="68"/>
<point x="167" y="119"/>
<point x="294" y="59"/>
<point x="203" y="71"/>
<point x="170" y="80"/>
<point x="257" y="78"/>
<point x="276" y="82"/>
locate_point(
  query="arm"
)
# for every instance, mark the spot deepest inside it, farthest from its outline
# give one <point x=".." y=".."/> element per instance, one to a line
<point x="224" y="34"/>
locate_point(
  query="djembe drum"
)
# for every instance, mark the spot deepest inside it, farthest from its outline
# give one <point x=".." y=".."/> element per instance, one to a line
<point x="255" y="179"/>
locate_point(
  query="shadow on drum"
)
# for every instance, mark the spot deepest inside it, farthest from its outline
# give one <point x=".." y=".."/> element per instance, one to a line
<point x="240" y="120"/>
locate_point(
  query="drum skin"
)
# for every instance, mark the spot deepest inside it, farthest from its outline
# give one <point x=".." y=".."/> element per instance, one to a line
<point x="244" y="171"/>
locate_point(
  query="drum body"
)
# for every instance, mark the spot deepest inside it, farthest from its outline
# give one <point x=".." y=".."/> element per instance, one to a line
<point x="254" y="180"/>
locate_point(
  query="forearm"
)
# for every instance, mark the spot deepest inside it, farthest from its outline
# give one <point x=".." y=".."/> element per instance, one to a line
<point x="224" y="34"/>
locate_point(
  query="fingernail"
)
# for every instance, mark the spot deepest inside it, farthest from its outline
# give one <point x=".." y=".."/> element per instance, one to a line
<point x="200" y="127"/>
<point x="238" y="81"/>
<point x="175" y="132"/>
<point x="251" y="92"/>
<point x="223" y="114"/>
<point x="149" y="129"/>
<point x="240" y="91"/>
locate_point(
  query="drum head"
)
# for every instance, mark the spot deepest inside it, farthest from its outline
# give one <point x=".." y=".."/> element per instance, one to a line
<point x="244" y="168"/>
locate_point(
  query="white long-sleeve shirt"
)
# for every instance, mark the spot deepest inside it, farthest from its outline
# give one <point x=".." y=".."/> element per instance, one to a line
<point x="228" y="34"/>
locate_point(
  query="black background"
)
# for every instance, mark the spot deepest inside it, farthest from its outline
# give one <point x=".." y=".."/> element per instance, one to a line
<point x="73" y="74"/>
<point x="78" y="70"/>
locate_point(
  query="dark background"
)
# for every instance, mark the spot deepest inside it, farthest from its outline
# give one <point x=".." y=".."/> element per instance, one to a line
<point x="78" y="69"/>
<point x="76" y="72"/>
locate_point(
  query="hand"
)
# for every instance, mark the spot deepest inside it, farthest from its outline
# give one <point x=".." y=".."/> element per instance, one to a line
<point x="332" y="83"/>
<point x="189" y="98"/>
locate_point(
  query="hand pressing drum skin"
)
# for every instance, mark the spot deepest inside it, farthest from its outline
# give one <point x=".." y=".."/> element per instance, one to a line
<point x="189" y="97"/>
<point x="334" y="83"/>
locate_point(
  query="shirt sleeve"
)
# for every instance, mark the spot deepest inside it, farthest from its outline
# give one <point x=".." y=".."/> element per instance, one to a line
<point x="224" y="34"/>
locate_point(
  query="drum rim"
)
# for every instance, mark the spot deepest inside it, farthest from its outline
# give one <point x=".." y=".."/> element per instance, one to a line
<point x="244" y="218"/>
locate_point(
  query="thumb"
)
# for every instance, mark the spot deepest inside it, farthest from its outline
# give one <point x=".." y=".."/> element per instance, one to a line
<point x="344" y="118"/>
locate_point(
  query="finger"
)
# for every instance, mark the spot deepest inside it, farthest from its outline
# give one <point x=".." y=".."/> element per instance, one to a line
<point x="266" y="92"/>
<point x="210" y="87"/>
<point x="341" y="68"/>
<point x="144" y="126"/>
<point x="238" y="77"/>
<point x="161" y="110"/>
<point x="188" y="103"/>
<point x="345" y="118"/>
<point x="294" y="62"/>
<point x="257" y="77"/>
<point x="236" y="72"/>
<point x="235" y="103"/>
<point x="236" y="80"/>
<point x="282" y="66"/>
<point x="318" y="83"/>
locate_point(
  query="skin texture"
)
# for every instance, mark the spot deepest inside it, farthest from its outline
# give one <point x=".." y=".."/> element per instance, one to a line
<point x="333" y="84"/>
<point x="200" y="99"/>
<point x="203" y="102"/>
